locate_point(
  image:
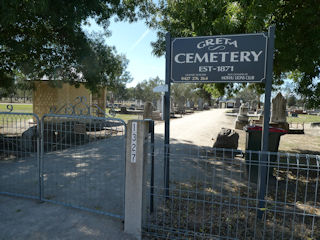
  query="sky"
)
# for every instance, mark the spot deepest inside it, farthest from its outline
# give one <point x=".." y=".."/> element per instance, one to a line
<point x="134" y="41"/>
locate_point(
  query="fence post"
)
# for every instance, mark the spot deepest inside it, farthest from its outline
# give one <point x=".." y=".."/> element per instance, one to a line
<point x="137" y="131"/>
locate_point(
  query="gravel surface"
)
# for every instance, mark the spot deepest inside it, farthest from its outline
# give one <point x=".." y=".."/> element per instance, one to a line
<point x="198" y="128"/>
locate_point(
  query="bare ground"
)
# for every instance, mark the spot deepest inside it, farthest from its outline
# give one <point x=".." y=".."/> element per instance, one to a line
<point x="191" y="130"/>
<point x="200" y="128"/>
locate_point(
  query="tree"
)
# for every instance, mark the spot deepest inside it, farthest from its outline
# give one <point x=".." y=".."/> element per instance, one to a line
<point x="120" y="93"/>
<point x="248" y="94"/>
<point x="183" y="91"/>
<point x="46" y="39"/>
<point x="297" y="52"/>
<point x="144" y="90"/>
<point x="20" y="88"/>
<point x="291" y="101"/>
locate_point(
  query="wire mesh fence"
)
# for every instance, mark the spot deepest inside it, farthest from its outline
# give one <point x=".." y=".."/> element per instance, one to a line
<point x="72" y="160"/>
<point x="19" y="145"/>
<point x="78" y="161"/>
<point x="83" y="162"/>
<point x="214" y="194"/>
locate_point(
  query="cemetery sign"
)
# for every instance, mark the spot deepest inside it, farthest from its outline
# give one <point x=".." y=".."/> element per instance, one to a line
<point x="246" y="58"/>
<point x="228" y="58"/>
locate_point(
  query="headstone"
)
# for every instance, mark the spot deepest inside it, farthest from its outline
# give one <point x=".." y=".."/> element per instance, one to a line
<point x="252" y="105"/>
<point x="154" y="104"/>
<point x="227" y="138"/>
<point x="243" y="109"/>
<point x="147" y="113"/>
<point x="181" y="101"/>
<point x="171" y="105"/>
<point x="259" y="112"/>
<point x="191" y="104"/>
<point x="200" y="104"/>
<point x="238" y="103"/>
<point x="123" y="110"/>
<point x="159" y="105"/>
<point x="278" y="114"/>
<point x="278" y="109"/>
<point x="242" y="118"/>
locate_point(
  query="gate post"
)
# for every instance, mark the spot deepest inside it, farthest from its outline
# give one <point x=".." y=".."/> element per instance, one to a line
<point x="137" y="131"/>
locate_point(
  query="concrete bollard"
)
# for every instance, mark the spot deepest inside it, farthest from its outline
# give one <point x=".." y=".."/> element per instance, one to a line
<point x="137" y="131"/>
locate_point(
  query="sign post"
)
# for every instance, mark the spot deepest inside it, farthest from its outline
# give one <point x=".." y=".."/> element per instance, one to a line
<point x="167" y="115"/>
<point x="266" y="119"/>
<point x="241" y="58"/>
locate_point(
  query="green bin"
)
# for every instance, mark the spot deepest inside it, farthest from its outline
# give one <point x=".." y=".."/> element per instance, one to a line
<point x="253" y="143"/>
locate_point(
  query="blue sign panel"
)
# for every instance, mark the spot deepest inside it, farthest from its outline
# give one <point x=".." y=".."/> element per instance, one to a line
<point x="228" y="58"/>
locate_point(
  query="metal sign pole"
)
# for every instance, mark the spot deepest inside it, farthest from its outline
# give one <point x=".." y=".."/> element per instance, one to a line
<point x="265" y="130"/>
<point x="167" y="115"/>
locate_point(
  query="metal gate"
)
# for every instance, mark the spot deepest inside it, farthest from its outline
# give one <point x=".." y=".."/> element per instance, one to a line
<point x="83" y="162"/>
<point x="19" y="154"/>
<point x="76" y="159"/>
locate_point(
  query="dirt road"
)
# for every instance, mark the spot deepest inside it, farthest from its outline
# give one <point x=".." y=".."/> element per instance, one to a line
<point x="198" y="128"/>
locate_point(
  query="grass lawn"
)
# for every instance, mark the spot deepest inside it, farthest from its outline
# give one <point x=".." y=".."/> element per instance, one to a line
<point x="303" y="118"/>
<point x="125" y="117"/>
<point x="26" y="108"/>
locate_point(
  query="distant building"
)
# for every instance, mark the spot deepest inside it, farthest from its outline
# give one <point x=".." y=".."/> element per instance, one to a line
<point x="227" y="103"/>
<point x="45" y="96"/>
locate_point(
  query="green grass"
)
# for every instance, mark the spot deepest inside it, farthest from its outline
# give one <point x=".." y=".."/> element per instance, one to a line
<point x="127" y="117"/>
<point x="303" y="118"/>
<point x="124" y="117"/>
<point x="26" y="108"/>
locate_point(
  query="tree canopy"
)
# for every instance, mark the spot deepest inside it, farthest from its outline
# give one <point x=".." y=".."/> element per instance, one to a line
<point x="144" y="90"/>
<point x="291" y="101"/>
<point x="45" y="39"/>
<point x="297" y="51"/>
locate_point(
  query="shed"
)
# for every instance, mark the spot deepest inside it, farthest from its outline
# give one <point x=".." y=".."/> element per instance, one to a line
<point x="227" y="103"/>
<point x="47" y="96"/>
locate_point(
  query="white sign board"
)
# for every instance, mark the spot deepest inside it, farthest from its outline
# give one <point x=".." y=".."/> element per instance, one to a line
<point x="134" y="143"/>
<point x="161" y="88"/>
